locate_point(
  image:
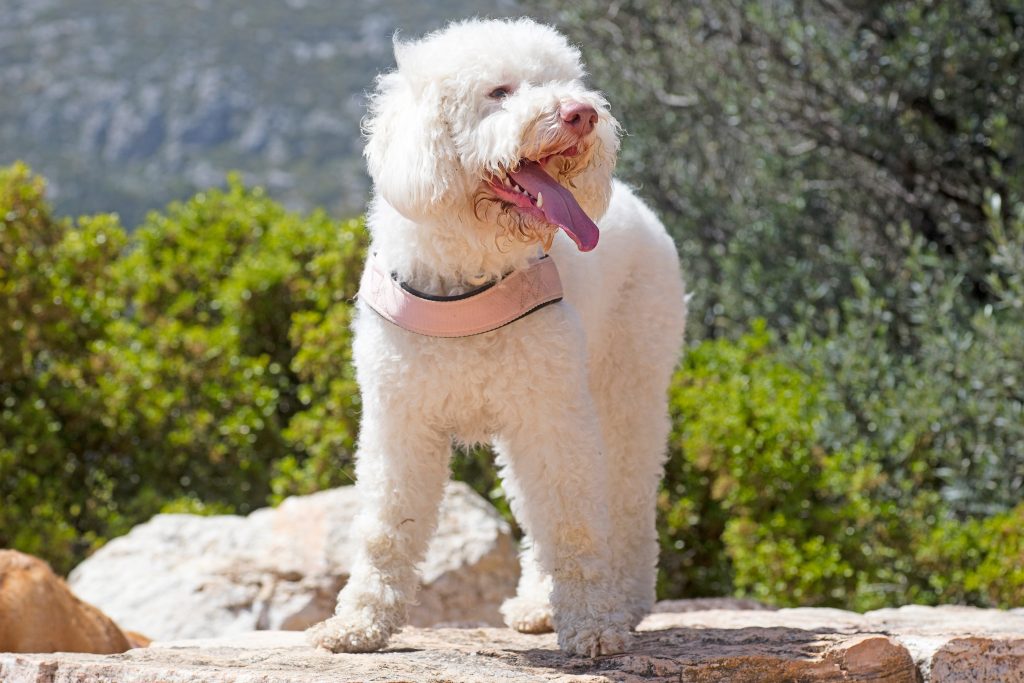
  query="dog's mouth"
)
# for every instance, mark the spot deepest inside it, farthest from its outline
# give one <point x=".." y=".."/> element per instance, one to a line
<point x="534" y="193"/>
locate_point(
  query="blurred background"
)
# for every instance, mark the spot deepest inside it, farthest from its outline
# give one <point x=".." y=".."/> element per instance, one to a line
<point x="124" y="106"/>
<point x="844" y="181"/>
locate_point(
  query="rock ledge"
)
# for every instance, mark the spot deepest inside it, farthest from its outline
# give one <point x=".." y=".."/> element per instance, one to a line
<point x="908" y="644"/>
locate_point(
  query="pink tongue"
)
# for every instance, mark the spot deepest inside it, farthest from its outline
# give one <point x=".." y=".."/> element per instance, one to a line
<point x="560" y="206"/>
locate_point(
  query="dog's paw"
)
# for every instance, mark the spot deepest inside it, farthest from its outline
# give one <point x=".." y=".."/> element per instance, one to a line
<point x="593" y="639"/>
<point x="348" y="634"/>
<point x="527" y="616"/>
<point x="535" y="621"/>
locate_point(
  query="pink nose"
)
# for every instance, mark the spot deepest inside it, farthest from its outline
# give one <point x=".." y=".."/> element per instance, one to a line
<point x="580" y="117"/>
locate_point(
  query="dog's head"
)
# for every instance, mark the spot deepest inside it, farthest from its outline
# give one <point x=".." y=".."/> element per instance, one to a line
<point x="490" y="124"/>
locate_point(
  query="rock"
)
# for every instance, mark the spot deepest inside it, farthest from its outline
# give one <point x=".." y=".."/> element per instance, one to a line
<point x="186" y="576"/>
<point x="714" y="645"/>
<point x="38" y="613"/>
<point x="949" y="643"/>
<point x="486" y="655"/>
<point x="954" y="643"/>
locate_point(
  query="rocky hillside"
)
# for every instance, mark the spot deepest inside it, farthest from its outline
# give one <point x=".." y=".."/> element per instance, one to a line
<point x="125" y="106"/>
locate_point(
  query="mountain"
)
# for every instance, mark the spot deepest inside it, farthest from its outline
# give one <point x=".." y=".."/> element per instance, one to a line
<point x="125" y="106"/>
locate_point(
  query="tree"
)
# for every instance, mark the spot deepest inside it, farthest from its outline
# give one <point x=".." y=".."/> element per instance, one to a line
<point x="805" y="139"/>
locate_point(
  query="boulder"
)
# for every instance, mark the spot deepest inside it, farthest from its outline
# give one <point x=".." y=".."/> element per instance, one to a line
<point x="947" y="643"/>
<point x="187" y="576"/>
<point x="954" y="643"/>
<point x="809" y="645"/>
<point x="38" y="613"/>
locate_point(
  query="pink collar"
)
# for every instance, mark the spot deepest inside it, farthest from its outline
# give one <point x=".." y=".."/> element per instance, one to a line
<point x="492" y="306"/>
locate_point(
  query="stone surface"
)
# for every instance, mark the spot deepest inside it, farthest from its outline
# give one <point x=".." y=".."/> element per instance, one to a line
<point x="186" y="576"/>
<point x="485" y="655"/>
<point x="959" y="643"/>
<point x="949" y="643"/>
<point x="705" y="645"/>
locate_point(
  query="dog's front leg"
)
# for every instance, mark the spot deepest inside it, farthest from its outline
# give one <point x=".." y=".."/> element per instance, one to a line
<point x="401" y="470"/>
<point x="556" y="475"/>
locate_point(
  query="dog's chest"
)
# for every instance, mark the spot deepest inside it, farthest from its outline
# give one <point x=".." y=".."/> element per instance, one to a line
<point x="469" y="386"/>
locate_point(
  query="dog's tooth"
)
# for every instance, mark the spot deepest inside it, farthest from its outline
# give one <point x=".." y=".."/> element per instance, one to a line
<point x="540" y="200"/>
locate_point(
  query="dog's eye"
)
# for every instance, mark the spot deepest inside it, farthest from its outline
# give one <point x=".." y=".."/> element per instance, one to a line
<point x="500" y="93"/>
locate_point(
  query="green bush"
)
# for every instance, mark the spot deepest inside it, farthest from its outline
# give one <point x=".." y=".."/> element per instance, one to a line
<point x="977" y="562"/>
<point x="760" y="501"/>
<point x="201" y="367"/>
<point x="233" y="366"/>
<point x="752" y="501"/>
<point x="947" y="415"/>
<point x="59" y="481"/>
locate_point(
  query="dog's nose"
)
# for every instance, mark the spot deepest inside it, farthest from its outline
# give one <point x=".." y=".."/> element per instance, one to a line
<point x="579" y="116"/>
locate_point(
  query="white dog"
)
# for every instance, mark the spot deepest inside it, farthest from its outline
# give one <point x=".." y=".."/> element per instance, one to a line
<point x="487" y="150"/>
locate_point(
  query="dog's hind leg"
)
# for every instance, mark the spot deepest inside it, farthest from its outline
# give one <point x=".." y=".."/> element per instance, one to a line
<point x="530" y="610"/>
<point x="401" y="470"/>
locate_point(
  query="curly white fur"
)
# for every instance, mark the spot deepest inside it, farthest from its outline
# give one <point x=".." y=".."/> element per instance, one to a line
<point x="573" y="396"/>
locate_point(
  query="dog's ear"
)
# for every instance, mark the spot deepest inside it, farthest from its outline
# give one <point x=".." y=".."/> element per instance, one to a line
<point x="409" y="150"/>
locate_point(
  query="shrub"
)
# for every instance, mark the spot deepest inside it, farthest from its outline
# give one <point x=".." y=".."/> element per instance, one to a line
<point x="760" y="499"/>
<point x="223" y="366"/>
<point x="201" y="368"/>
<point x="747" y="480"/>
<point x="948" y="415"/>
<point x="236" y="365"/>
<point x="59" y="481"/>
<point x="979" y="561"/>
